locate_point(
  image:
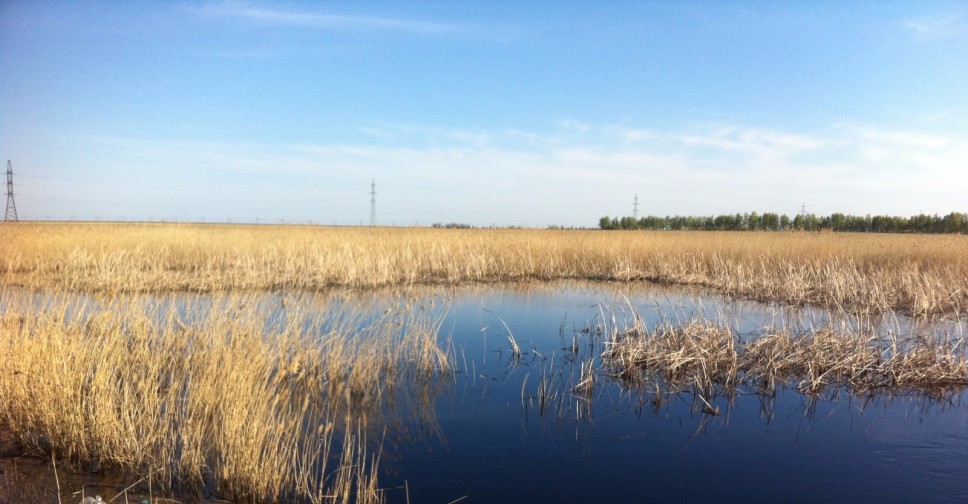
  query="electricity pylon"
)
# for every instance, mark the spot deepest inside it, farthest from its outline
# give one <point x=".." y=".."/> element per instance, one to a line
<point x="11" y="213"/>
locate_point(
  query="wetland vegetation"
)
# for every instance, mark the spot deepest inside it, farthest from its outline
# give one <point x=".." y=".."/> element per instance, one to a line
<point x="284" y="363"/>
<point x="911" y="274"/>
<point x="236" y="395"/>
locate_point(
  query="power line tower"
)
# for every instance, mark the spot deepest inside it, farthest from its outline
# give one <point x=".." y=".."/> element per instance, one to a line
<point x="635" y="207"/>
<point x="373" y="202"/>
<point x="11" y="214"/>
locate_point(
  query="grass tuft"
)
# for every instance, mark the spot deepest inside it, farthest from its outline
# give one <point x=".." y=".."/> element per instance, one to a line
<point x="710" y="359"/>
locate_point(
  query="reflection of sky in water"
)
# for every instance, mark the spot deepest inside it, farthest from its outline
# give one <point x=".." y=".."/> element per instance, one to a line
<point x="900" y="449"/>
<point x="490" y="442"/>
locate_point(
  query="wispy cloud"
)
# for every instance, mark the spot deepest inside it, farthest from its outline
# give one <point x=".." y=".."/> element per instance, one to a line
<point x="701" y="169"/>
<point x="569" y="175"/>
<point x="937" y="27"/>
<point x="316" y="19"/>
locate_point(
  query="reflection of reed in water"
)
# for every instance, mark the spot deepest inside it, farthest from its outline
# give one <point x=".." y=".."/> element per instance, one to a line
<point x="234" y="395"/>
<point x="712" y="360"/>
<point x="708" y="364"/>
<point x="708" y="360"/>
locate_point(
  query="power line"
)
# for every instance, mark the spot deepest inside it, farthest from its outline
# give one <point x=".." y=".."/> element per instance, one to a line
<point x="11" y="213"/>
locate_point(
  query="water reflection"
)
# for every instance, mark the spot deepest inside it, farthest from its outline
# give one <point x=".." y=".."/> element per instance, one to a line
<point x="531" y="412"/>
<point x="533" y="416"/>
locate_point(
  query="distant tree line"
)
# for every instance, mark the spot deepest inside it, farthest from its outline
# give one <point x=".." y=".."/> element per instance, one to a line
<point x="954" y="222"/>
<point x="451" y="225"/>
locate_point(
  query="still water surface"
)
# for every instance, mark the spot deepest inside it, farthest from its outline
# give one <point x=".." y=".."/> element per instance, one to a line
<point x="485" y="436"/>
<point x="489" y="441"/>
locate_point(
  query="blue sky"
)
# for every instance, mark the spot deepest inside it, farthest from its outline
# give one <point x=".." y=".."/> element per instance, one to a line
<point x="488" y="113"/>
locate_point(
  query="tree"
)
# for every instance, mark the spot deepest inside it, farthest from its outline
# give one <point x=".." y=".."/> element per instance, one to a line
<point x="608" y="223"/>
<point x="954" y="223"/>
<point x="628" y="223"/>
<point x="838" y="222"/>
<point x="771" y="221"/>
<point x="753" y="221"/>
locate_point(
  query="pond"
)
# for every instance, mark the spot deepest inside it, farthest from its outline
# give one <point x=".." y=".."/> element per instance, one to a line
<point x="490" y="441"/>
<point x="531" y="414"/>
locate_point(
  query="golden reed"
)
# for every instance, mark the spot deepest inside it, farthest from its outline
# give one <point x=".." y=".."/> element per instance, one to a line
<point x="861" y="273"/>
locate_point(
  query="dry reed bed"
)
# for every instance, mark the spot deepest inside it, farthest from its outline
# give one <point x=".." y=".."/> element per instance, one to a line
<point x="231" y="396"/>
<point x="712" y="360"/>
<point x="912" y="274"/>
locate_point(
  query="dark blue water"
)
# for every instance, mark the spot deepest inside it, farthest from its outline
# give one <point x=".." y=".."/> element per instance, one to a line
<point x="508" y="428"/>
<point x="493" y="442"/>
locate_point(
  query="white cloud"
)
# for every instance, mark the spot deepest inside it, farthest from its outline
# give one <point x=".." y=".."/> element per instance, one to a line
<point x="937" y="27"/>
<point x="569" y="175"/>
<point x="706" y="169"/>
<point x="313" y="19"/>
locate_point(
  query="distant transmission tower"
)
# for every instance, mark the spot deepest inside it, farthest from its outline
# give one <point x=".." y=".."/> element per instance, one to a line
<point x="635" y="207"/>
<point x="373" y="203"/>
<point x="11" y="214"/>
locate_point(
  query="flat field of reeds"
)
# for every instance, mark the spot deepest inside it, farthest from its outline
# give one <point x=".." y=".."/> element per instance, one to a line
<point x="911" y="274"/>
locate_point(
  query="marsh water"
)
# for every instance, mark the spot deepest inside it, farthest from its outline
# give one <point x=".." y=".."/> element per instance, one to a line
<point x="510" y="426"/>
<point x="492" y="439"/>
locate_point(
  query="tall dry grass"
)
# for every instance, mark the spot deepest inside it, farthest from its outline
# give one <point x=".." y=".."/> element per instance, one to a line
<point x="913" y="274"/>
<point x="258" y="400"/>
